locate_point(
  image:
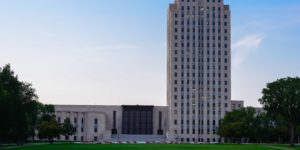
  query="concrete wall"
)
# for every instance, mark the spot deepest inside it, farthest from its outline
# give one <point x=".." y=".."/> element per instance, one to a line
<point x="86" y="130"/>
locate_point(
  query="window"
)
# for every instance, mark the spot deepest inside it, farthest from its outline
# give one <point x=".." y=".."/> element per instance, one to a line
<point x="67" y="137"/>
<point x="59" y="120"/>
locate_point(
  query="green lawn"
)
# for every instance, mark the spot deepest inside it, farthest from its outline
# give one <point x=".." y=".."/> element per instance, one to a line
<point x="151" y="147"/>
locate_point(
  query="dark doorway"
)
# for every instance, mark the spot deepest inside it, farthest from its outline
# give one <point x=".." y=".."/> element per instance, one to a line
<point x="114" y="130"/>
<point x="160" y="131"/>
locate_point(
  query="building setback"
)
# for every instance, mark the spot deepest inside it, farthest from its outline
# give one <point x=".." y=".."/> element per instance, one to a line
<point x="199" y="68"/>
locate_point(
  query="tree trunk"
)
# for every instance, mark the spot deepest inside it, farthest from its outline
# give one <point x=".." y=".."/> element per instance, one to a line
<point x="239" y="140"/>
<point x="51" y="140"/>
<point x="292" y="134"/>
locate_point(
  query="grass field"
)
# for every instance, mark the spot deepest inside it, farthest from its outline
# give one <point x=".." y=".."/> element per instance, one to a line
<point x="152" y="147"/>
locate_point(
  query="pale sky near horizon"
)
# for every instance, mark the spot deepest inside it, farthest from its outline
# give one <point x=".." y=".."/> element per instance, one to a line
<point x="113" y="52"/>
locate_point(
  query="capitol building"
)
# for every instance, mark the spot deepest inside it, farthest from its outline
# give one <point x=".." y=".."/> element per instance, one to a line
<point x="198" y="85"/>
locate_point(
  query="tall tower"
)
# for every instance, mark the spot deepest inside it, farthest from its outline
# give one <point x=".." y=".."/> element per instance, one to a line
<point x="199" y="69"/>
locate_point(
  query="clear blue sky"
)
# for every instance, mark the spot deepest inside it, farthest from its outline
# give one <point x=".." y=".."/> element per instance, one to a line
<point x="114" y="51"/>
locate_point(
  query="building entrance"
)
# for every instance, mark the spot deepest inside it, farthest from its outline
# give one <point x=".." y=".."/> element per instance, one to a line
<point x="137" y="120"/>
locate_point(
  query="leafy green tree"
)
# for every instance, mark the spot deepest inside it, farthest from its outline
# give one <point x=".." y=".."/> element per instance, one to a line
<point x="237" y="124"/>
<point x="263" y="130"/>
<point x="67" y="128"/>
<point x="18" y="107"/>
<point x="31" y="106"/>
<point x="48" y="127"/>
<point x="47" y="112"/>
<point x="49" y="130"/>
<point x="282" y="99"/>
<point x="281" y="132"/>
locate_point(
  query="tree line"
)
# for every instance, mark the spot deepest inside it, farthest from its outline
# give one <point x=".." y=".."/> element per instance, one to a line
<point x="280" y="123"/>
<point x="22" y="116"/>
<point x="246" y="126"/>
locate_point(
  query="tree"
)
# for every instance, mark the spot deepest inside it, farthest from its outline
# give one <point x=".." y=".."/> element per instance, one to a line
<point x="31" y="105"/>
<point x="67" y="128"/>
<point x="18" y="107"/>
<point x="49" y="130"/>
<point x="238" y="124"/>
<point x="21" y="113"/>
<point x="282" y="99"/>
<point x="255" y="128"/>
<point x="47" y="112"/>
<point x="264" y="129"/>
<point x="48" y="127"/>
